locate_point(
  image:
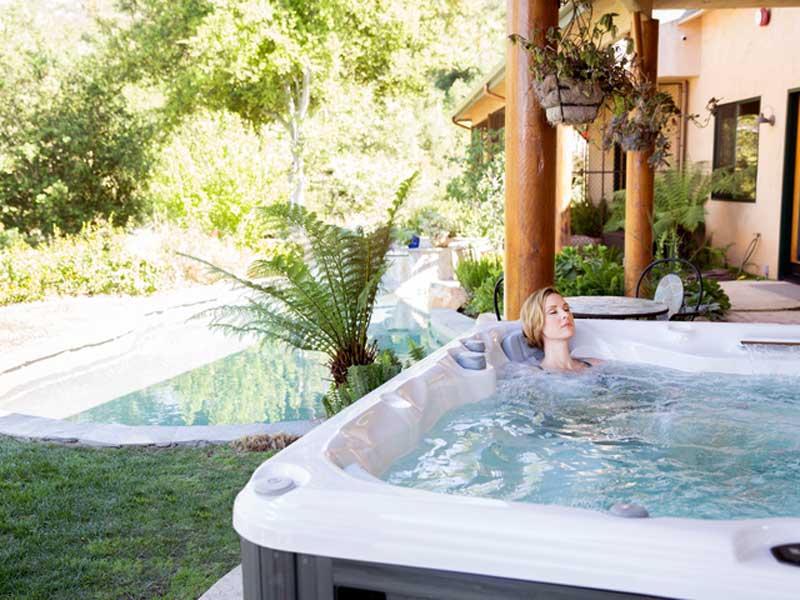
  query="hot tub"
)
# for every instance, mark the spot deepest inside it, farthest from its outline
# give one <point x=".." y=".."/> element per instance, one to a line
<point x="316" y="522"/>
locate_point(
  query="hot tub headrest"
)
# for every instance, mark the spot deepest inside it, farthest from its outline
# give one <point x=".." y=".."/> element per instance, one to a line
<point x="517" y="348"/>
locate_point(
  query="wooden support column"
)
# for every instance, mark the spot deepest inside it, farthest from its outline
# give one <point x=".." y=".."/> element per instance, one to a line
<point x="530" y="164"/>
<point x="639" y="174"/>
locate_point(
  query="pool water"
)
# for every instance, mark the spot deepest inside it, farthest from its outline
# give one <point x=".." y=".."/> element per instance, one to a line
<point x="265" y="383"/>
<point x="708" y="446"/>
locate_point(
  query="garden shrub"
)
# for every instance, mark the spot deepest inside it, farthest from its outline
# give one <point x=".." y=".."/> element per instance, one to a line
<point x="712" y="294"/>
<point x="106" y="259"/>
<point x="82" y="155"/>
<point x="361" y="380"/>
<point x="679" y="213"/>
<point x="92" y="262"/>
<point x="587" y="219"/>
<point x="478" y="278"/>
<point x="593" y="270"/>
<point x="214" y="174"/>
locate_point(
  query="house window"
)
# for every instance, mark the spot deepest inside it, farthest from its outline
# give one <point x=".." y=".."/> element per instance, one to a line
<point x="736" y="149"/>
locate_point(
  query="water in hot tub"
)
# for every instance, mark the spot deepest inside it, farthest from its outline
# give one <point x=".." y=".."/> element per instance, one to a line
<point x="708" y="445"/>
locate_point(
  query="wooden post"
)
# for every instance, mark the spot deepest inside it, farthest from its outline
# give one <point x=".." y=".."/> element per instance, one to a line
<point x="530" y="164"/>
<point x="639" y="174"/>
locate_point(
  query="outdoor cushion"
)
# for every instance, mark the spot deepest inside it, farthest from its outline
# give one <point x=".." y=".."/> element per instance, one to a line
<point x="517" y="349"/>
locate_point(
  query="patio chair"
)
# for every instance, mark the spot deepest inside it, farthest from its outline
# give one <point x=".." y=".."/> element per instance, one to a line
<point x="498" y="287"/>
<point x="671" y="288"/>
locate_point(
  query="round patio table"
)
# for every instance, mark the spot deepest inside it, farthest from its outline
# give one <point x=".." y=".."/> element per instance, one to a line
<point x="615" y="307"/>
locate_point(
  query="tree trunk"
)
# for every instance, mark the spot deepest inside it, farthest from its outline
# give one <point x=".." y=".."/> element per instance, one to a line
<point x="298" y="98"/>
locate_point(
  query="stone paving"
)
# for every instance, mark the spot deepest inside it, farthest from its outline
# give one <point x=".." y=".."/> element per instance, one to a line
<point x="229" y="587"/>
<point x="763" y="301"/>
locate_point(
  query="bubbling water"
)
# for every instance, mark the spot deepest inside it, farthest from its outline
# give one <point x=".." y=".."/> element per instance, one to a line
<point x="710" y="446"/>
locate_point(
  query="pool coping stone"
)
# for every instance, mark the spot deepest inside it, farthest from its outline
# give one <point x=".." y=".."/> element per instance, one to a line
<point x="29" y="428"/>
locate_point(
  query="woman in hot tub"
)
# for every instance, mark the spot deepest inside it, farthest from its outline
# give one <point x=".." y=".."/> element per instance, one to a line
<point x="548" y="324"/>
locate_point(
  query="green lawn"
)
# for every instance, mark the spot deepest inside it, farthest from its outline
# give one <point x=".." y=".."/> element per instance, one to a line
<point x="81" y="523"/>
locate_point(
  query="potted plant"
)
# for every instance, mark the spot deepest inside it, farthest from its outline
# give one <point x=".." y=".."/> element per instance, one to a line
<point x="577" y="67"/>
<point x="431" y="223"/>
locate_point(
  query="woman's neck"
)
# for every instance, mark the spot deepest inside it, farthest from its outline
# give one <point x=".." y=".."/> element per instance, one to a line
<point x="558" y="358"/>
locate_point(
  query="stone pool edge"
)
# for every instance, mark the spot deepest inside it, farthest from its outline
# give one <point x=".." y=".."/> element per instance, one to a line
<point x="102" y="435"/>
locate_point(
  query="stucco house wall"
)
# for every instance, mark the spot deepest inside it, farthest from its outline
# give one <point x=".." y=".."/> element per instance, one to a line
<point x="741" y="60"/>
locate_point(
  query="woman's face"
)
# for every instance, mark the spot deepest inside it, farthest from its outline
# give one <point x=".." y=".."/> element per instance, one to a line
<point x="559" y="323"/>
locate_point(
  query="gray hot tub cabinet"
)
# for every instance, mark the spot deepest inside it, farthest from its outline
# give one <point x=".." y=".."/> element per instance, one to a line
<point x="276" y="575"/>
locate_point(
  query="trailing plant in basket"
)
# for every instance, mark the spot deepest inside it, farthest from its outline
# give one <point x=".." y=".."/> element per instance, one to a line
<point x="640" y="117"/>
<point x="577" y="66"/>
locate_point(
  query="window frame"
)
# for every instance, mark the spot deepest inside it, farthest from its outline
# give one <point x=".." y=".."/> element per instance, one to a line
<point x="723" y="196"/>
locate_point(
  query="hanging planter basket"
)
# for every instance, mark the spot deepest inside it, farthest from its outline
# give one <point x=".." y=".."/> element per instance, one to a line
<point x="637" y="137"/>
<point x="569" y="101"/>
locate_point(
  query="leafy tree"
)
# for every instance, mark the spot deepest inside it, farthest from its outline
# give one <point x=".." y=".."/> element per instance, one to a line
<point x="479" y="189"/>
<point x="71" y="148"/>
<point x="266" y="61"/>
<point x="214" y="173"/>
<point x="82" y="155"/>
<point x="319" y="296"/>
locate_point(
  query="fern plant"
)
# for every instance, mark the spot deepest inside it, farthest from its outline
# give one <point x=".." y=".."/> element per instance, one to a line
<point x="362" y="379"/>
<point x="679" y="200"/>
<point x="478" y="276"/>
<point x="320" y="295"/>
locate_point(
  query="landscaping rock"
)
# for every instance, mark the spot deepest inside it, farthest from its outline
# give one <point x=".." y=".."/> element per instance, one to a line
<point x="446" y="294"/>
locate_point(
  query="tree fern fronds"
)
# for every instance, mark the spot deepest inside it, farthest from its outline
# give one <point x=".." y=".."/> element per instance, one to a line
<point x="416" y="352"/>
<point x="224" y="273"/>
<point x="319" y="297"/>
<point x="400" y="196"/>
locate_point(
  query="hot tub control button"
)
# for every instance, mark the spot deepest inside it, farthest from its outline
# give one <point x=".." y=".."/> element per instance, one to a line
<point x="788" y="553"/>
<point x="273" y="486"/>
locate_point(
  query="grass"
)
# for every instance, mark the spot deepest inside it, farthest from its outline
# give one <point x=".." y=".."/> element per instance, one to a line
<point x="117" y="523"/>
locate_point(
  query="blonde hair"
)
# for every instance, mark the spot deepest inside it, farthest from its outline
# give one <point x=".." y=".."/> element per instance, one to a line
<point x="532" y="316"/>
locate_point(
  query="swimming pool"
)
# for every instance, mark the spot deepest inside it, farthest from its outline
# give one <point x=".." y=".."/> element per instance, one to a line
<point x="265" y="383"/>
<point x="181" y="373"/>
<point x="360" y="532"/>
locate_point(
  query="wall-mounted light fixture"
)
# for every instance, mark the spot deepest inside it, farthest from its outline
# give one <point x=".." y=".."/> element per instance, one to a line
<point x="764" y="119"/>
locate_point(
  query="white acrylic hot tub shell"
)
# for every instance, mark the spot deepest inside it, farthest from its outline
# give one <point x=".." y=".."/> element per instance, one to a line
<point x="339" y="509"/>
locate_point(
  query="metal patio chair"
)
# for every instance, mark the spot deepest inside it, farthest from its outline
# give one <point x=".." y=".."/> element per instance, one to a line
<point x="671" y="288"/>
